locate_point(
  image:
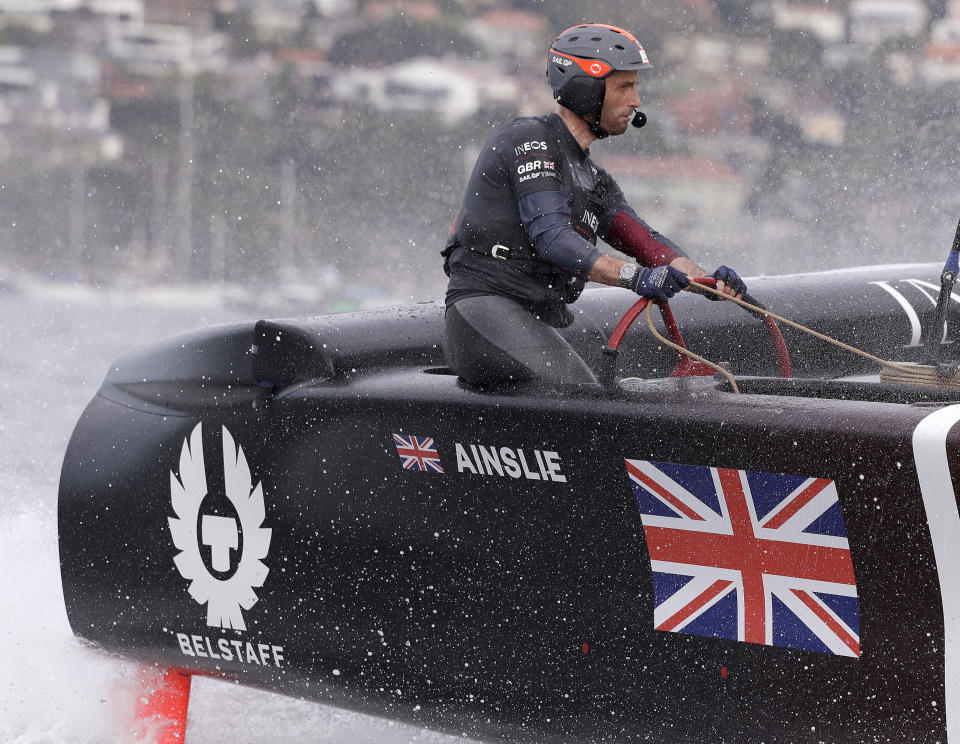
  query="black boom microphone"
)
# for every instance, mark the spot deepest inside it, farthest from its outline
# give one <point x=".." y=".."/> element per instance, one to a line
<point x="639" y="118"/>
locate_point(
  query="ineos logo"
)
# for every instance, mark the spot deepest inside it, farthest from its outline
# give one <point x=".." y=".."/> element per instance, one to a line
<point x="596" y="68"/>
<point x="528" y="146"/>
<point x="590" y="220"/>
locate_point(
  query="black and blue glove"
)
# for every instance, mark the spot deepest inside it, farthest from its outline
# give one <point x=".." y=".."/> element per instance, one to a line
<point x="731" y="278"/>
<point x="660" y="283"/>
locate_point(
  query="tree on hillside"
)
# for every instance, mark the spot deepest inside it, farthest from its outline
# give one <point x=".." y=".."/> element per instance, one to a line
<point x="400" y="38"/>
<point x="797" y="55"/>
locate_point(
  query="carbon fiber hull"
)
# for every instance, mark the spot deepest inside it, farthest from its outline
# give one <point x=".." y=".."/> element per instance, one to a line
<point x="318" y="508"/>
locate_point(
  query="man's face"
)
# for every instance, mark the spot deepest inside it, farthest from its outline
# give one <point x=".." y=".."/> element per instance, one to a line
<point x="619" y="101"/>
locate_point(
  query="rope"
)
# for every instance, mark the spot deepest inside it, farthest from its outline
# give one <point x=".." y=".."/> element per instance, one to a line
<point x="920" y="374"/>
<point x="909" y="370"/>
<point x="689" y="353"/>
<point x="908" y="373"/>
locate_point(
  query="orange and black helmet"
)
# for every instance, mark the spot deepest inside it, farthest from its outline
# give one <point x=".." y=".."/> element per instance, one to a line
<point x="582" y="56"/>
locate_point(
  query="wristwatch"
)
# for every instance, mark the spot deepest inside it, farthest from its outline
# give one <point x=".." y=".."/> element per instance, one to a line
<point x="627" y="272"/>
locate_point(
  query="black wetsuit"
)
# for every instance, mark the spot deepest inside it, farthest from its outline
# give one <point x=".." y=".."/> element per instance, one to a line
<point x="526" y="233"/>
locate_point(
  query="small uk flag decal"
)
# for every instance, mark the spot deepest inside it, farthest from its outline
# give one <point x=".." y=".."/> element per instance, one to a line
<point x="418" y="453"/>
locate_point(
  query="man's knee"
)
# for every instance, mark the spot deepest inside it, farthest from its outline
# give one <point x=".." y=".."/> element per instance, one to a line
<point x="477" y="358"/>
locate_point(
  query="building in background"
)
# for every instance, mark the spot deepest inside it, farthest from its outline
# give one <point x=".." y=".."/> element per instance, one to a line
<point x="447" y="89"/>
<point x="510" y="33"/>
<point x="826" y="23"/>
<point x="681" y="194"/>
<point x="874" y="21"/>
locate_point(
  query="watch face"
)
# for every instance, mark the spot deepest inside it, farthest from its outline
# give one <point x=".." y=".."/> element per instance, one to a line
<point x="627" y="272"/>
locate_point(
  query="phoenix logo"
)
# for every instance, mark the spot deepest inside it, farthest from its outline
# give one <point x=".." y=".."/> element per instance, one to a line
<point x="226" y="597"/>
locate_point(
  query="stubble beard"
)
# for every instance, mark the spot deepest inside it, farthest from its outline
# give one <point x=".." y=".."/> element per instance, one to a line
<point x="619" y="127"/>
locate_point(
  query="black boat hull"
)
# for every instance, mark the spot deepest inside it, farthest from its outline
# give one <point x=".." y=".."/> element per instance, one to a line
<point x="514" y="596"/>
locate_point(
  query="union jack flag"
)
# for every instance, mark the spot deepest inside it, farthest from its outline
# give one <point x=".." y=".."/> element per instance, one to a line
<point x="748" y="556"/>
<point x="418" y="453"/>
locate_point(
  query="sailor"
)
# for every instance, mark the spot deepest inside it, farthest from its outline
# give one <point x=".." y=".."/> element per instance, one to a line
<point x="524" y="240"/>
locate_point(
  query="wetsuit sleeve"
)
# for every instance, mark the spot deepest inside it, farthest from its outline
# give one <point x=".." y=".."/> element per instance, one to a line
<point x="631" y="235"/>
<point x="545" y="216"/>
<point x="624" y="230"/>
<point x="535" y="164"/>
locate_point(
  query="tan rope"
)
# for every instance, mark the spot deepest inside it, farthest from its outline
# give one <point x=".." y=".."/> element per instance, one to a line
<point x="921" y="374"/>
<point x="909" y="369"/>
<point x="895" y="372"/>
<point x="689" y="353"/>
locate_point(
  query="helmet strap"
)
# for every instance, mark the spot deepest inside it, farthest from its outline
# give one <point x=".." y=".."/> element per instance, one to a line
<point x="593" y="122"/>
<point x="596" y="130"/>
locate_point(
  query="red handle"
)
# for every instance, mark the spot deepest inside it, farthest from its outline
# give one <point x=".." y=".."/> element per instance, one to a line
<point x="684" y="368"/>
<point x="783" y="356"/>
<point x="625" y="322"/>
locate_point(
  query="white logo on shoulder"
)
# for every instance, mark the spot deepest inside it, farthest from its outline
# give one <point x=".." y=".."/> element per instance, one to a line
<point x="225" y="598"/>
<point x="528" y="146"/>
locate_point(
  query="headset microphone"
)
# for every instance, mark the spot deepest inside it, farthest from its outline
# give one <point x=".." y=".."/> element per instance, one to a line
<point x="639" y="118"/>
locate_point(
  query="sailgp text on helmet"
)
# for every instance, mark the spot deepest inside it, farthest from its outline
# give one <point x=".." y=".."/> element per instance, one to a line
<point x="580" y="59"/>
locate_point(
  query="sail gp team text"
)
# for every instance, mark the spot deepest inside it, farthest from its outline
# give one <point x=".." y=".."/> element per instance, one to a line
<point x="480" y="460"/>
<point x="244" y="652"/>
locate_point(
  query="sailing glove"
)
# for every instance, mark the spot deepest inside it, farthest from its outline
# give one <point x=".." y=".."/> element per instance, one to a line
<point x="729" y="277"/>
<point x="660" y="283"/>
